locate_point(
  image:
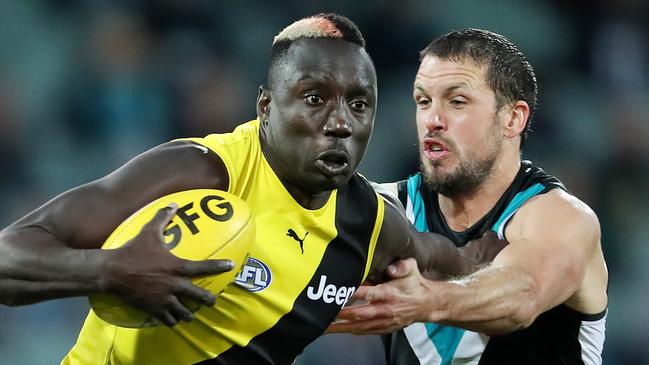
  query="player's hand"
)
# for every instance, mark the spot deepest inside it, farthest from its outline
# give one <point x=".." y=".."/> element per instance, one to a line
<point x="484" y="249"/>
<point x="389" y="306"/>
<point x="151" y="278"/>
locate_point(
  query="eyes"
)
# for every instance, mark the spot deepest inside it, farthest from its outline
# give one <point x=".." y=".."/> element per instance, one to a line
<point x="422" y="102"/>
<point x="359" y="104"/>
<point x="457" y="101"/>
<point x="313" y="99"/>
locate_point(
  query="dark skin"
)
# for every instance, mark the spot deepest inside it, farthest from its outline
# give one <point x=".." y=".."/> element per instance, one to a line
<point x="53" y="252"/>
<point x="317" y="117"/>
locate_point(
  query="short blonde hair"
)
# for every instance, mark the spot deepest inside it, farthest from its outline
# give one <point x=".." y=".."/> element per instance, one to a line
<point x="319" y="26"/>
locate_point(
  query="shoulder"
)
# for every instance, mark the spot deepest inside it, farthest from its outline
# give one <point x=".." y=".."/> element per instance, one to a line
<point x="244" y="134"/>
<point x="387" y="191"/>
<point x="389" y="188"/>
<point x="167" y="168"/>
<point x="555" y="213"/>
<point x="85" y="215"/>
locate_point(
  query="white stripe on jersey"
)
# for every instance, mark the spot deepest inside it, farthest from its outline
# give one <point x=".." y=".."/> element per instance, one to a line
<point x="421" y="345"/>
<point x="591" y="339"/>
<point x="468" y="352"/>
<point x="410" y="214"/>
<point x="470" y="349"/>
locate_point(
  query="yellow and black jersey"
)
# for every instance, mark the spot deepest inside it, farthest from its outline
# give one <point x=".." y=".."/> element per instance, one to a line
<point x="303" y="268"/>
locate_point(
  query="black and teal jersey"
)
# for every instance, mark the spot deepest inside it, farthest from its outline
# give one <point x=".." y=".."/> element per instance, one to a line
<point x="558" y="336"/>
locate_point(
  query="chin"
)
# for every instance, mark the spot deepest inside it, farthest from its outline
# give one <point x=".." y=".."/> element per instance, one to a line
<point x="436" y="169"/>
<point x="328" y="183"/>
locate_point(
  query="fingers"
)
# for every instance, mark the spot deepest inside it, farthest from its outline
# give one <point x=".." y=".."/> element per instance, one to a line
<point x="172" y="312"/>
<point x="193" y="296"/>
<point x="180" y="306"/>
<point x="371" y="327"/>
<point x="205" y="267"/>
<point x="167" y="319"/>
<point x="370" y="294"/>
<point x="402" y="268"/>
<point x="179" y="311"/>
<point x="360" y="294"/>
<point x="161" y="219"/>
<point x="370" y="319"/>
<point x="364" y="312"/>
<point x="365" y="294"/>
<point x="196" y="294"/>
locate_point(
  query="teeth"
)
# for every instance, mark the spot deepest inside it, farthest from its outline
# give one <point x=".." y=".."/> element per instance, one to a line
<point x="436" y="148"/>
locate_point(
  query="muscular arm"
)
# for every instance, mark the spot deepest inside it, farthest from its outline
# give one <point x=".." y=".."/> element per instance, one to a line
<point x="552" y="240"/>
<point x="54" y="251"/>
<point x="436" y="256"/>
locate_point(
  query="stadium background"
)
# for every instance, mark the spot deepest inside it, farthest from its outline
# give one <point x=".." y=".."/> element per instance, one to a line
<point x="87" y="84"/>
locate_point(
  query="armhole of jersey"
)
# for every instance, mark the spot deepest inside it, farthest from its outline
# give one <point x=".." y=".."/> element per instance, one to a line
<point x="378" y="223"/>
<point x="228" y="164"/>
<point x="519" y="199"/>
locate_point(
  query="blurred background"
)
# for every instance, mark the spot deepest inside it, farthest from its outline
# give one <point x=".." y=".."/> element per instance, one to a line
<point x="87" y="84"/>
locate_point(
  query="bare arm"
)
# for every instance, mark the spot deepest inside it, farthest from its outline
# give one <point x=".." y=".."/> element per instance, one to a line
<point x="436" y="255"/>
<point x="54" y="251"/>
<point x="552" y="239"/>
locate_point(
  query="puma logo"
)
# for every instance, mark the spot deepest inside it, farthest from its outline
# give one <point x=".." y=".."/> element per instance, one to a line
<point x="291" y="233"/>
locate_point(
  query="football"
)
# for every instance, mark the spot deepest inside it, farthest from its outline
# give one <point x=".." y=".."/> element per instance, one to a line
<point x="209" y="224"/>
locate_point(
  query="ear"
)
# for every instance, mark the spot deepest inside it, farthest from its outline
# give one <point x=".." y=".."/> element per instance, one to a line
<point x="520" y="112"/>
<point x="263" y="103"/>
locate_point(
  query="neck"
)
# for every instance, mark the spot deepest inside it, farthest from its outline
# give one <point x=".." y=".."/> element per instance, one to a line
<point x="307" y="199"/>
<point x="461" y="212"/>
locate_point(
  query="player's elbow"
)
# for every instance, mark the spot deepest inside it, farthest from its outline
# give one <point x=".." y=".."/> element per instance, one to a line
<point x="518" y="318"/>
<point x="522" y="313"/>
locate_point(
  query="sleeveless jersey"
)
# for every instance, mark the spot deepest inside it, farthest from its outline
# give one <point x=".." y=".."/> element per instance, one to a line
<point x="304" y="266"/>
<point x="558" y="336"/>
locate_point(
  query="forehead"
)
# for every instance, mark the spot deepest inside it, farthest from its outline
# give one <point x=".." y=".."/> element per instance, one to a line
<point x="328" y="60"/>
<point x="437" y="73"/>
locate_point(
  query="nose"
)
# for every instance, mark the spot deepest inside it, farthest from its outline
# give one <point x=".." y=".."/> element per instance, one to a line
<point x="434" y="122"/>
<point x="338" y="125"/>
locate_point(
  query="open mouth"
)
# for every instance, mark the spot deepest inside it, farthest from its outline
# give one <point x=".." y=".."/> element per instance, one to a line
<point x="333" y="162"/>
<point x="434" y="149"/>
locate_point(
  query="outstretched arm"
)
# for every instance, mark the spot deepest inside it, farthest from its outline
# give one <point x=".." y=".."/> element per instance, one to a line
<point x="54" y="251"/>
<point x="435" y="254"/>
<point x="552" y="241"/>
<point x="555" y="239"/>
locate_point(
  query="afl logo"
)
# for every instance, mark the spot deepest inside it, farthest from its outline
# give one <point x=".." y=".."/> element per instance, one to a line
<point x="254" y="276"/>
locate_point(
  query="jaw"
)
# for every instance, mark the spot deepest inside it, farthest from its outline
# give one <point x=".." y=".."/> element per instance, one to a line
<point x="321" y="181"/>
<point x="444" y="166"/>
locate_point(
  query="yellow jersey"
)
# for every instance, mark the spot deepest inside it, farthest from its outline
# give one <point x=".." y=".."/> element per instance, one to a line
<point x="303" y="268"/>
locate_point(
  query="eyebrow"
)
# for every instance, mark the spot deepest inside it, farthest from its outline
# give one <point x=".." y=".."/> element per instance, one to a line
<point x="309" y="77"/>
<point x="366" y="89"/>
<point x="420" y="88"/>
<point x="448" y="90"/>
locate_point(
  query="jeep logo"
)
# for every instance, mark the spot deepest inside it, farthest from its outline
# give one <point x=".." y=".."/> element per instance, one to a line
<point x="330" y="293"/>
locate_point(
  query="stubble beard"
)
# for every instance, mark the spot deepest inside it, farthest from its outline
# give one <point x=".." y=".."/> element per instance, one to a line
<point x="470" y="173"/>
